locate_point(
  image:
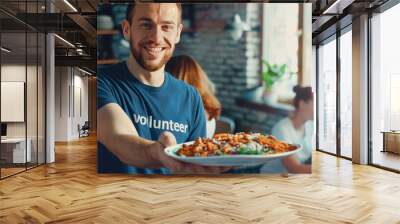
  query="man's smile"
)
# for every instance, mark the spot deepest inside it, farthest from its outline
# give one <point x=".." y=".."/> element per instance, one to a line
<point x="154" y="51"/>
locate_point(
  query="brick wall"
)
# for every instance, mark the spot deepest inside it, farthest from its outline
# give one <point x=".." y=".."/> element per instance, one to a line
<point x="232" y="66"/>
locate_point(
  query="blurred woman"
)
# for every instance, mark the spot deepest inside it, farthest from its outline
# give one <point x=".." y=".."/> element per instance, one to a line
<point x="297" y="129"/>
<point x="187" y="69"/>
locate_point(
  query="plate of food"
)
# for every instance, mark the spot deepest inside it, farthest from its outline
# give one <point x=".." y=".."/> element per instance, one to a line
<point x="241" y="149"/>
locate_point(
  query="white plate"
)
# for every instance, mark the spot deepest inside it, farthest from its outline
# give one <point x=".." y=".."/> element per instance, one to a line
<point x="231" y="160"/>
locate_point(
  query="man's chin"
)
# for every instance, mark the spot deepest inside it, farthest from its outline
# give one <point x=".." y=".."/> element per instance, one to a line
<point x="152" y="67"/>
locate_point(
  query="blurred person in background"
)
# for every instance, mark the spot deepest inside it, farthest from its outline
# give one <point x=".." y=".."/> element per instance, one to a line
<point x="186" y="68"/>
<point x="297" y="129"/>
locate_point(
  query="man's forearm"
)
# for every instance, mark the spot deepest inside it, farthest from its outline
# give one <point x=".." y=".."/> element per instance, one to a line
<point x="133" y="150"/>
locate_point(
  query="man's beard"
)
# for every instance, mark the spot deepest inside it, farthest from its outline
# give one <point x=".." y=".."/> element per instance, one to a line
<point x="149" y="66"/>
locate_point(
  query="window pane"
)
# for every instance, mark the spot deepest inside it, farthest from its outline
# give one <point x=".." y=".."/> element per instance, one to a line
<point x="386" y="88"/>
<point x="281" y="42"/>
<point x="327" y="97"/>
<point x="15" y="150"/>
<point x="346" y="94"/>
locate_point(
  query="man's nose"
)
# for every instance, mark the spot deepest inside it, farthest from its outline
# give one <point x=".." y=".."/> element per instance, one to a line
<point x="157" y="35"/>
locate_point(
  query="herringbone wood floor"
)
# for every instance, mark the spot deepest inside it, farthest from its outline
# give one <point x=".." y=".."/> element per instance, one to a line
<point x="70" y="191"/>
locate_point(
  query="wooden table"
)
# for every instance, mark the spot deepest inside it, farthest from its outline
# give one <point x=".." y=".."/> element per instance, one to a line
<point x="13" y="150"/>
<point x="391" y="141"/>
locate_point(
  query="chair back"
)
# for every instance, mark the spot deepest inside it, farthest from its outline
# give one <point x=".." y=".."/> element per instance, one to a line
<point x="225" y="125"/>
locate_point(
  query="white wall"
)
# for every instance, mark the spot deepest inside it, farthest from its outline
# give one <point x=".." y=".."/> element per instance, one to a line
<point x="61" y="103"/>
<point x="13" y="72"/>
<point x="16" y="73"/>
<point x="33" y="126"/>
<point x="79" y="112"/>
<point x="12" y="101"/>
<point x="71" y="94"/>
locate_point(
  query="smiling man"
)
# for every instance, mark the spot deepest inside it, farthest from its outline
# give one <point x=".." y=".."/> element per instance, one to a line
<point x="141" y="108"/>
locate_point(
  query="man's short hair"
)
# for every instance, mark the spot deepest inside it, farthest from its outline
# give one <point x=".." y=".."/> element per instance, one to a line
<point x="131" y="8"/>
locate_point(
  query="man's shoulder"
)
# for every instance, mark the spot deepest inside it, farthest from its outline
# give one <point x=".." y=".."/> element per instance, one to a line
<point x="110" y="71"/>
<point x="182" y="86"/>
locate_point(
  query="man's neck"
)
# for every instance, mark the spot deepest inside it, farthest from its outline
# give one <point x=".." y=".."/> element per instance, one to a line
<point x="155" y="78"/>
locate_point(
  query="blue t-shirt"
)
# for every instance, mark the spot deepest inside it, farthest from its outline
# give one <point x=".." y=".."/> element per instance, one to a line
<point x="174" y="106"/>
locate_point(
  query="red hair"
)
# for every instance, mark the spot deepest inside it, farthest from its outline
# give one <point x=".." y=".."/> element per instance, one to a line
<point x="187" y="69"/>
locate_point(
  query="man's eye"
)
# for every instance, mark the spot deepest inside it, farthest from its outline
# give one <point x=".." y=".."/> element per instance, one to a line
<point x="168" y="27"/>
<point x="146" y="25"/>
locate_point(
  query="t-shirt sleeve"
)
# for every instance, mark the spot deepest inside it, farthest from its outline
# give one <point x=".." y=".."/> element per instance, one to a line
<point x="199" y="120"/>
<point x="104" y="93"/>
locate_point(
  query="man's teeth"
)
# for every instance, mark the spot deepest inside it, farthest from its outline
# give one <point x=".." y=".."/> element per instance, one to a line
<point x="155" y="49"/>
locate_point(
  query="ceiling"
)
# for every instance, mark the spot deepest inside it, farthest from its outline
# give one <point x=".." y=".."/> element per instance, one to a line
<point x="76" y="24"/>
<point x="79" y="27"/>
<point x="330" y="15"/>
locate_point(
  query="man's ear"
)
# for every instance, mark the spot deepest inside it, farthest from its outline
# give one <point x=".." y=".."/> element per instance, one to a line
<point x="126" y="29"/>
<point x="178" y="37"/>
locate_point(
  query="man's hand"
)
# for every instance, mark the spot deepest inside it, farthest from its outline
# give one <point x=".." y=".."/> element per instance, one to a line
<point x="117" y="132"/>
<point x="167" y="139"/>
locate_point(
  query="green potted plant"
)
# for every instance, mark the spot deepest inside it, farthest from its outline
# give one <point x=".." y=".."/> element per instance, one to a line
<point x="272" y="73"/>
